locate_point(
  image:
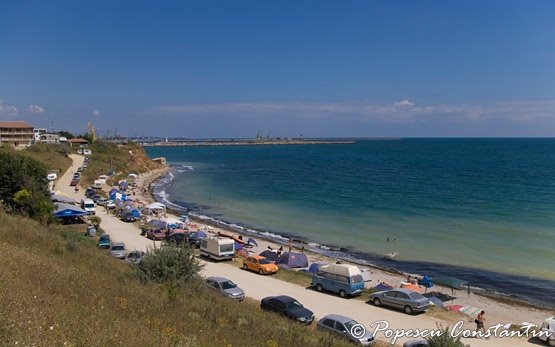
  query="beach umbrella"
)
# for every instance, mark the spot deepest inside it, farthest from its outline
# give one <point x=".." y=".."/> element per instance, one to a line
<point x="252" y="241"/>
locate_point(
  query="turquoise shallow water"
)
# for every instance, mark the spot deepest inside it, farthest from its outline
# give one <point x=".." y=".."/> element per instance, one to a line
<point x="484" y="205"/>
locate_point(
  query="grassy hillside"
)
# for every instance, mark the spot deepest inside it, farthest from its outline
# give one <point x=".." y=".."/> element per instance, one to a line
<point x="128" y="158"/>
<point x="58" y="289"/>
<point x="54" y="157"/>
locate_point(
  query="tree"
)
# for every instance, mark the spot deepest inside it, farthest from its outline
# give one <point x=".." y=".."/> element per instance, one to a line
<point x="23" y="186"/>
<point x="66" y="134"/>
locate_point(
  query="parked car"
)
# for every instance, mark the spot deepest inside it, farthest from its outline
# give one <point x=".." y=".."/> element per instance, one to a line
<point x="195" y="238"/>
<point x="288" y="307"/>
<point x="134" y="257"/>
<point x="226" y="287"/>
<point x="80" y="169"/>
<point x="89" y="192"/>
<point x="260" y="264"/>
<point x="177" y="239"/>
<point x="110" y="204"/>
<point x="128" y="217"/>
<point x="117" y="249"/>
<point x="155" y="234"/>
<point x="73" y="182"/>
<point x="101" y="202"/>
<point x="104" y="241"/>
<point x="548" y="331"/>
<point x="51" y="176"/>
<point x="403" y="299"/>
<point x="416" y="343"/>
<point x="343" y="326"/>
<point x="96" y="197"/>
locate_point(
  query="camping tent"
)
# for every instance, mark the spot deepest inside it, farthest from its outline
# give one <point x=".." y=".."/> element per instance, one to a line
<point x="270" y="255"/>
<point x="123" y="185"/>
<point x="65" y="210"/>
<point x="293" y="260"/>
<point x="135" y="213"/>
<point x="314" y="267"/>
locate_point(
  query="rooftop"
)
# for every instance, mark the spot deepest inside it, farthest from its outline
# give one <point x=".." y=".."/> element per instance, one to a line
<point x="15" y="124"/>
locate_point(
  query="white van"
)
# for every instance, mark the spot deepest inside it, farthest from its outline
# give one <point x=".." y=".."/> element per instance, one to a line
<point x="98" y="184"/>
<point x="88" y="206"/>
<point x="217" y="248"/>
<point x="51" y="177"/>
<point x="87" y="152"/>
<point x="342" y="279"/>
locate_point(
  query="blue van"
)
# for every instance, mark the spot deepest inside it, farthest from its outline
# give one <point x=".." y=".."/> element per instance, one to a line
<point x="342" y="279"/>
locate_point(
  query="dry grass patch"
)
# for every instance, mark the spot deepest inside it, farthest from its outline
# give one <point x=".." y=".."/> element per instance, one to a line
<point x="57" y="288"/>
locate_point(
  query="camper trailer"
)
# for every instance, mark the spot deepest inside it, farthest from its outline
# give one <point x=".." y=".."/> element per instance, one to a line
<point x="98" y="184"/>
<point x="342" y="279"/>
<point x="217" y="248"/>
<point x="87" y="152"/>
<point x="88" y="205"/>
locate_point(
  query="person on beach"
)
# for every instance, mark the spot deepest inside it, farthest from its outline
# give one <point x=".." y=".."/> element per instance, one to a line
<point x="480" y="319"/>
<point x="289" y="245"/>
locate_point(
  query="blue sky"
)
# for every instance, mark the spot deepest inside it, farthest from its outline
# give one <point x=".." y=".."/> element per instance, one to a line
<point x="316" y="68"/>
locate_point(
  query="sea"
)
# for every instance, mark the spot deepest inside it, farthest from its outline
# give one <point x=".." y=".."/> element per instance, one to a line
<point x="479" y="209"/>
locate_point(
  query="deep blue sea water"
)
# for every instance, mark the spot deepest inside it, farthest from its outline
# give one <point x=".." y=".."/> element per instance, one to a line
<point x="480" y="209"/>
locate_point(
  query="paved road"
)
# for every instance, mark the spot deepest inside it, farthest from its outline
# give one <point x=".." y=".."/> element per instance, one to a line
<point x="257" y="286"/>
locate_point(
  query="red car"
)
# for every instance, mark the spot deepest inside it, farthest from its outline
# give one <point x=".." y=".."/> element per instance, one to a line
<point x="155" y="234"/>
<point x="73" y="182"/>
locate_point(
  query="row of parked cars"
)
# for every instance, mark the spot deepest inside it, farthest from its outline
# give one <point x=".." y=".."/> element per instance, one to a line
<point x="77" y="176"/>
<point x="117" y="250"/>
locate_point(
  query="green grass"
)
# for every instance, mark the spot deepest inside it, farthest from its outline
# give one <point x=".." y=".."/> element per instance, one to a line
<point x="54" y="157"/>
<point x="58" y="289"/>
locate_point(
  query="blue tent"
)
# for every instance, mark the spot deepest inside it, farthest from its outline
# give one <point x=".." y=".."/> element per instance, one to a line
<point x="238" y="246"/>
<point x="313" y="268"/>
<point x="293" y="260"/>
<point x="113" y="190"/>
<point x="65" y="210"/>
<point x="135" y="213"/>
<point x="271" y="256"/>
<point x="157" y="224"/>
<point x="200" y="234"/>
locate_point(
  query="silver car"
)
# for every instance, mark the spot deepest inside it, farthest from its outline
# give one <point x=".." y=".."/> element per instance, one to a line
<point x="226" y="287"/>
<point x="117" y="249"/>
<point x="403" y="299"/>
<point x="416" y="343"/>
<point x="346" y="327"/>
<point x="134" y="257"/>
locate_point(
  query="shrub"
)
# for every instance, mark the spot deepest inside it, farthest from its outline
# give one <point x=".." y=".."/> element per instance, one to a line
<point x="445" y="340"/>
<point x="23" y="186"/>
<point x="177" y="265"/>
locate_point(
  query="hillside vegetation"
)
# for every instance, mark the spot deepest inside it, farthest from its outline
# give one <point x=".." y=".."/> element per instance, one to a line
<point x="54" y="157"/>
<point x="127" y="158"/>
<point x="59" y="289"/>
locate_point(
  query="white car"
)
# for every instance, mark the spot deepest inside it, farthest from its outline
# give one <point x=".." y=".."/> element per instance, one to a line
<point x="51" y="177"/>
<point x="110" y="204"/>
<point x="548" y="331"/>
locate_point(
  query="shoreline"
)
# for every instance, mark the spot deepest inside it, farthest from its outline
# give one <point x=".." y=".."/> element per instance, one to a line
<point x="490" y="300"/>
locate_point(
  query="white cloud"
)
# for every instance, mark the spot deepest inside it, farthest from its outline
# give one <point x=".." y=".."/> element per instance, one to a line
<point x="7" y="111"/>
<point x="404" y="111"/>
<point x="404" y="103"/>
<point x="35" y="109"/>
<point x="96" y="113"/>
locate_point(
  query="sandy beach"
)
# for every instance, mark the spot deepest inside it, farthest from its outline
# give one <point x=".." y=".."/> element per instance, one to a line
<point x="258" y="287"/>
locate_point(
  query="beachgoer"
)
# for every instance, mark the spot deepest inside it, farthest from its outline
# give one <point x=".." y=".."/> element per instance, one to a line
<point x="388" y="239"/>
<point x="480" y="320"/>
<point x="302" y="249"/>
<point x="290" y="245"/>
